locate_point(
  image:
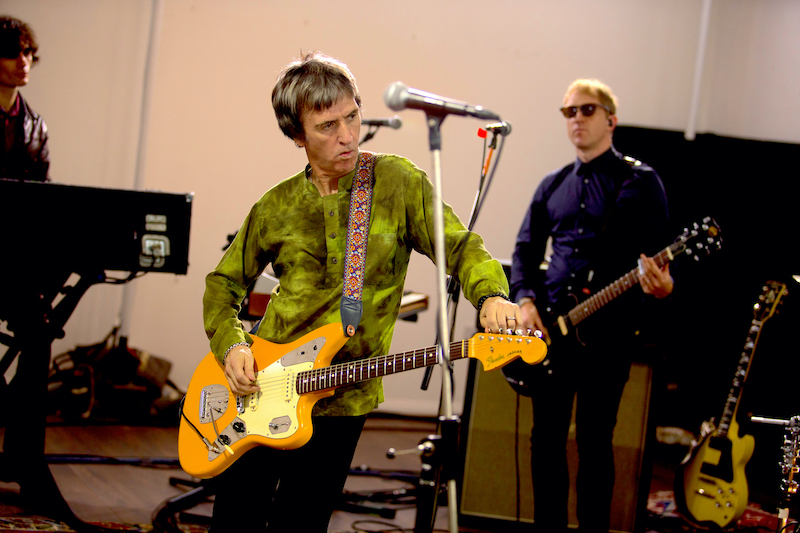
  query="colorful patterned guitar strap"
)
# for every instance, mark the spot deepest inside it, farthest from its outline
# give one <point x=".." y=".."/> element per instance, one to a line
<point x="355" y="257"/>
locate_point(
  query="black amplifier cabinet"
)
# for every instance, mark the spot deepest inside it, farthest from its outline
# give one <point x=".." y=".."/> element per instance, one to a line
<point x="53" y="225"/>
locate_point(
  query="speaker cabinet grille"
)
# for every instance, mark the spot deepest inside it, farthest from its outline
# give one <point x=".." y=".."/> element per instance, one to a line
<point x="496" y="483"/>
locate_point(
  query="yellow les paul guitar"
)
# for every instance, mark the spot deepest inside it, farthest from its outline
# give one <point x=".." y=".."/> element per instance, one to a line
<point x="710" y="487"/>
<point x="217" y="427"/>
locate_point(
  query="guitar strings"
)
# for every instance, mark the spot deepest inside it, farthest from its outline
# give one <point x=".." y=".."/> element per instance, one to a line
<point x="601" y="298"/>
<point x="352" y="371"/>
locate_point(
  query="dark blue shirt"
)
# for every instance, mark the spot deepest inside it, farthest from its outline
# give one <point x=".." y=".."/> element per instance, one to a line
<point x="601" y="215"/>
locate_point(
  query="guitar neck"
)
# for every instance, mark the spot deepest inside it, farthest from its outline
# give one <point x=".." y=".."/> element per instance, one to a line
<point x="737" y="385"/>
<point x="606" y="295"/>
<point x="763" y="309"/>
<point x="334" y="376"/>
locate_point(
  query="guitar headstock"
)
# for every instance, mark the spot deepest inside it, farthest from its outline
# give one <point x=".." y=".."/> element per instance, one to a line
<point x="700" y="240"/>
<point x="495" y="350"/>
<point x="771" y="297"/>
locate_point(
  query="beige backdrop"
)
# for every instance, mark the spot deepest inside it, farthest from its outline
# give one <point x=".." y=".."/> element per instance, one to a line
<point x="210" y="129"/>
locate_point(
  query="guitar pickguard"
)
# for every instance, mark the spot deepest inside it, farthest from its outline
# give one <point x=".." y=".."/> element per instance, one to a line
<point x="722" y="468"/>
<point x="270" y="413"/>
<point x="217" y="425"/>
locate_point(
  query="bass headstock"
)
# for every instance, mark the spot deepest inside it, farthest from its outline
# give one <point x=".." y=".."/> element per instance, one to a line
<point x="771" y="297"/>
<point x="699" y="240"/>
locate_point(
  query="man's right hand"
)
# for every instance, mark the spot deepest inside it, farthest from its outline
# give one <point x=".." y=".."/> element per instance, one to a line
<point x="240" y="371"/>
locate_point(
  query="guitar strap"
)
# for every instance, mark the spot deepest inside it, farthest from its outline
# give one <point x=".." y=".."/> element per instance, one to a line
<point x="355" y="257"/>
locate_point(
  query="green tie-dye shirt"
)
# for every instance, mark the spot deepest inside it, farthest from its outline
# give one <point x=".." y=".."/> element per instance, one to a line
<point x="303" y="235"/>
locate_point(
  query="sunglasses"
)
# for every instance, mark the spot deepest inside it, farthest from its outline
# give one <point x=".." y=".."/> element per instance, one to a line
<point x="587" y="110"/>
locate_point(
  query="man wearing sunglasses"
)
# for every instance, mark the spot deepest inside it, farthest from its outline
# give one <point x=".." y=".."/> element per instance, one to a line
<point x="25" y="154"/>
<point x="602" y="213"/>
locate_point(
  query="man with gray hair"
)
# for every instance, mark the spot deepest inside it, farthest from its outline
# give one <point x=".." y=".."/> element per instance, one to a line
<point x="301" y="227"/>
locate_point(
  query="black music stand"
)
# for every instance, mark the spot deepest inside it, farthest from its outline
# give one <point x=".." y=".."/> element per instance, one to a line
<point x="36" y="323"/>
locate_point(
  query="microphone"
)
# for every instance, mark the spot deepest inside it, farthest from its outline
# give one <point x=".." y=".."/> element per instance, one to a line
<point x="399" y="96"/>
<point x="393" y="122"/>
<point x="502" y="128"/>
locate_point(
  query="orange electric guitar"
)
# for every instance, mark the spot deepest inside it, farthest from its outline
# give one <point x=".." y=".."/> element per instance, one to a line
<point x="217" y="427"/>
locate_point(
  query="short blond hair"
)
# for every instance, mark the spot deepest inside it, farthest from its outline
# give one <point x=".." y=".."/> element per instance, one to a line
<point x="595" y="88"/>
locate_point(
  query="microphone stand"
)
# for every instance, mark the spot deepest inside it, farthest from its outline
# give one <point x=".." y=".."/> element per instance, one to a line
<point x="369" y="135"/>
<point x="453" y="287"/>
<point x="790" y="465"/>
<point x="439" y="451"/>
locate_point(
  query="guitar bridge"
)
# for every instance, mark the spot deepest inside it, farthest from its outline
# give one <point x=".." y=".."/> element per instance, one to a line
<point x="213" y="403"/>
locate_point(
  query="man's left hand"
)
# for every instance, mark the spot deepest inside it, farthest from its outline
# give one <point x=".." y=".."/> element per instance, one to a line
<point x="656" y="281"/>
<point x="498" y="315"/>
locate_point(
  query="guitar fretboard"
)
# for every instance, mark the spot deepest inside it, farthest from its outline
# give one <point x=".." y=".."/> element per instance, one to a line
<point x="763" y="309"/>
<point x="732" y="401"/>
<point x="340" y="374"/>
<point x="606" y="295"/>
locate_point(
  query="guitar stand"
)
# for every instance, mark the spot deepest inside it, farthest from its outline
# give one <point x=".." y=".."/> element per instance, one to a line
<point x="439" y="456"/>
<point x="380" y="503"/>
<point x="165" y="517"/>
<point x="790" y="466"/>
<point x="439" y="462"/>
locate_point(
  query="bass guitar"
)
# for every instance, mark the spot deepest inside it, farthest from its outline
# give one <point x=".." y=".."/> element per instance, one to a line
<point x="697" y="241"/>
<point x="710" y="485"/>
<point x="217" y="426"/>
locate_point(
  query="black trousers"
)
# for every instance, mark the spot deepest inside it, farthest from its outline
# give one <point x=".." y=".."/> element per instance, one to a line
<point x="288" y="490"/>
<point x="594" y="378"/>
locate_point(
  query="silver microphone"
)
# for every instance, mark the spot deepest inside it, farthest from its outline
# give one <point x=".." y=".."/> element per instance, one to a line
<point x="399" y="96"/>
<point x="393" y="122"/>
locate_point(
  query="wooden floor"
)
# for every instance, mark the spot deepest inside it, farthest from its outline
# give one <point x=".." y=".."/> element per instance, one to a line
<point x="127" y="492"/>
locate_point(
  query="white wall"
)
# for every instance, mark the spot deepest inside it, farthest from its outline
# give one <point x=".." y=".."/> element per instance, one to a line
<point x="212" y="131"/>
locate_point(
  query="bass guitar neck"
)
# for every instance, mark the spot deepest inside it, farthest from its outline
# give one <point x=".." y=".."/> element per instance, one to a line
<point x="696" y="242"/>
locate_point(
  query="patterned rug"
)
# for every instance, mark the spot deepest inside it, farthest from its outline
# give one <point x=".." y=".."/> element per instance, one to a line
<point x="664" y="517"/>
<point x="42" y="524"/>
